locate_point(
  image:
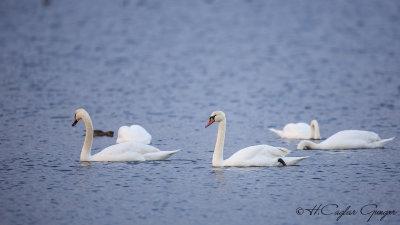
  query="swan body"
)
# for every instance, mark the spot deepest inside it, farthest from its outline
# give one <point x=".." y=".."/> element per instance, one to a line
<point x="134" y="133"/>
<point x="348" y="139"/>
<point x="261" y="155"/>
<point x="299" y="131"/>
<point x="258" y="155"/>
<point x="128" y="151"/>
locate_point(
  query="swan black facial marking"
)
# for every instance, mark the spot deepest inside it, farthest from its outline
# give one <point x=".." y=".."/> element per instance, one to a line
<point x="75" y="121"/>
<point x="212" y="120"/>
<point x="281" y="161"/>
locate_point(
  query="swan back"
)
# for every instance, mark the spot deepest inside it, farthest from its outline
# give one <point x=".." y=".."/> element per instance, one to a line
<point x="351" y="139"/>
<point x="294" y="131"/>
<point x="352" y="136"/>
<point x="348" y="139"/>
<point x="297" y="130"/>
<point x="128" y="151"/>
<point x="258" y="155"/>
<point x="259" y="151"/>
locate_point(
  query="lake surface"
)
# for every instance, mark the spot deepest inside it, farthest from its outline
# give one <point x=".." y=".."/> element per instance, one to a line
<point x="167" y="65"/>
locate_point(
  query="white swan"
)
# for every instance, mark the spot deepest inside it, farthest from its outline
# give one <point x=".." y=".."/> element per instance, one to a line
<point x="258" y="155"/>
<point x="299" y="131"/>
<point x="134" y="133"/>
<point x="348" y="139"/>
<point x="128" y="151"/>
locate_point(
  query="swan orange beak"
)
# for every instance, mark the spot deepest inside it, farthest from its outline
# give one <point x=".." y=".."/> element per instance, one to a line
<point x="212" y="120"/>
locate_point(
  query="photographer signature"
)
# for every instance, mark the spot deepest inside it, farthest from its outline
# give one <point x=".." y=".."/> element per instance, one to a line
<point x="370" y="210"/>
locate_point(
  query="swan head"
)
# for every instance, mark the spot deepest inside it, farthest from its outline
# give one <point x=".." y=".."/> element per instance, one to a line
<point x="216" y="116"/>
<point x="79" y="114"/>
<point x="303" y="145"/>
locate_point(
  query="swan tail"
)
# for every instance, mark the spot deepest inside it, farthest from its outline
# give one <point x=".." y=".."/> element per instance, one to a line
<point x="381" y="143"/>
<point x="290" y="161"/>
<point x="278" y="132"/>
<point x="161" y="155"/>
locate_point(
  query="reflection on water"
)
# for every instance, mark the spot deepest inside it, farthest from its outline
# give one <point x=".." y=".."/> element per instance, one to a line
<point x="218" y="174"/>
<point x="167" y="67"/>
<point x="86" y="164"/>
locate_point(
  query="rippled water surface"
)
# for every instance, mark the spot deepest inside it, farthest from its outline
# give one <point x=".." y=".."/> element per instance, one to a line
<point x="167" y="66"/>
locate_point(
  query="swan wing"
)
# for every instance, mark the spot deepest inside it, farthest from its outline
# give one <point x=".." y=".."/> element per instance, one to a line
<point x="123" y="134"/>
<point x="296" y="127"/>
<point x="355" y="134"/>
<point x="128" y="151"/>
<point x="353" y="139"/>
<point x="122" y="157"/>
<point x="297" y="131"/>
<point x="134" y="133"/>
<point x="258" y="155"/>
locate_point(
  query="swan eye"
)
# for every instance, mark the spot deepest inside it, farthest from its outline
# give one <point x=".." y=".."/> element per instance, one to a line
<point x="213" y="117"/>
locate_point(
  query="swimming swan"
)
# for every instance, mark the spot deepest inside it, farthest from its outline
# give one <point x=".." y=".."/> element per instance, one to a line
<point x="347" y="139"/>
<point x="258" y="155"/>
<point x="299" y="131"/>
<point x="128" y="151"/>
<point x="134" y="133"/>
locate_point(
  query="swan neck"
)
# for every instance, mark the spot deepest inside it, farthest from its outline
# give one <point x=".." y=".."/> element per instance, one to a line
<point x="218" y="156"/>
<point x="315" y="130"/>
<point x="87" y="145"/>
<point x="307" y="145"/>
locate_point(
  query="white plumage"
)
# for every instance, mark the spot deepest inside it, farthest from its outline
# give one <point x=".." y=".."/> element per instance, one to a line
<point x="299" y="131"/>
<point x="348" y="139"/>
<point x="128" y="151"/>
<point x="258" y="155"/>
<point x="133" y="133"/>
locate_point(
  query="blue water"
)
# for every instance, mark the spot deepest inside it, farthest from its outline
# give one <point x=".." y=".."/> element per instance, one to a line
<point x="167" y="65"/>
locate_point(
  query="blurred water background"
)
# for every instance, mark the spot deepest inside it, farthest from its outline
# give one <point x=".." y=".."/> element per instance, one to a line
<point x="167" y="65"/>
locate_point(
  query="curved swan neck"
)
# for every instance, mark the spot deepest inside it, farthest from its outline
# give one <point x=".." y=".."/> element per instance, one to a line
<point x="87" y="145"/>
<point x="307" y="145"/>
<point x="315" y="130"/>
<point x="218" y="156"/>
